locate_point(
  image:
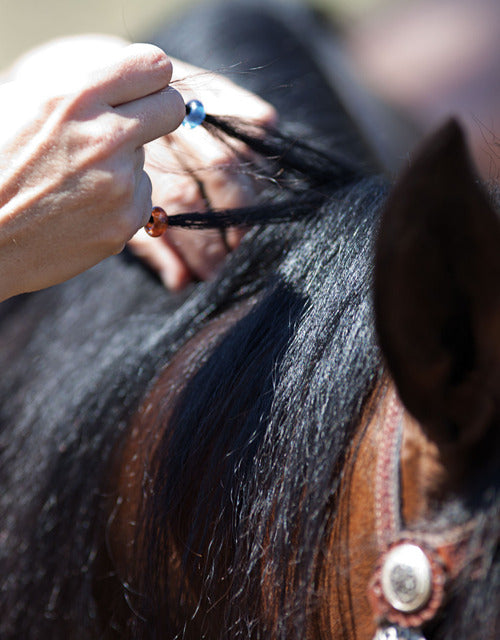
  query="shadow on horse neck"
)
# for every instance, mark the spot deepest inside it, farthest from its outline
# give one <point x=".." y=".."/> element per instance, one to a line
<point x="241" y="460"/>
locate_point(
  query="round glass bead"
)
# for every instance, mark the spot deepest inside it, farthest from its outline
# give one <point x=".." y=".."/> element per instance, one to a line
<point x="158" y="222"/>
<point x="195" y="114"/>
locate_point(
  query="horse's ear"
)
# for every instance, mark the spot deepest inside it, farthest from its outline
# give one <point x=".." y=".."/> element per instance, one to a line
<point x="437" y="292"/>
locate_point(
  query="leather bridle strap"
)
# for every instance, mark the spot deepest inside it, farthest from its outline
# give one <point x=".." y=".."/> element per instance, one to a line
<point x="387" y="494"/>
<point x="414" y="567"/>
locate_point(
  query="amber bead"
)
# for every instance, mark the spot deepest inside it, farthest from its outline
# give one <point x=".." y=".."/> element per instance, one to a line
<point x="158" y="222"/>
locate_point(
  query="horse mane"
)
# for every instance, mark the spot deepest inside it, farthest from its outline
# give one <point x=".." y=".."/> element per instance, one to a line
<point x="305" y="355"/>
<point x="85" y="355"/>
<point x="286" y="384"/>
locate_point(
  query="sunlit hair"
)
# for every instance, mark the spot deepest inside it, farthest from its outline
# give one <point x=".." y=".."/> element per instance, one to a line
<point x="242" y="488"/>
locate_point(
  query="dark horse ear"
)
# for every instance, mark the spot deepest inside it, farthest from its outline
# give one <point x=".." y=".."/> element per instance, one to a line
<point x="437" y="292"/>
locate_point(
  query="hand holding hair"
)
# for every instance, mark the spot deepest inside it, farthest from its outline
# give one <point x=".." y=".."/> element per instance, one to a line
<point x="76" y="180"/>
<point x="191" y="170"/>
<point x="72" y="185"/>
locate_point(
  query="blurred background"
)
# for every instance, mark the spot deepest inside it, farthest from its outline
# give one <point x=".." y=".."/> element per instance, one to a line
<point x="425" y="59"/>
<point x="25" y="23"/>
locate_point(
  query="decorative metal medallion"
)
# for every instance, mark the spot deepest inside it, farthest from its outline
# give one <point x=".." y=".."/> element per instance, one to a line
<point x="406" y="577"/>
<point x="407" y="586"/>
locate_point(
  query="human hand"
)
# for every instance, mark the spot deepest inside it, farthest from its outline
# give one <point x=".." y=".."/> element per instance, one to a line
<point x="172" y="161"/>
<point x="72" y="185"/>
<point x="179" y="162"/>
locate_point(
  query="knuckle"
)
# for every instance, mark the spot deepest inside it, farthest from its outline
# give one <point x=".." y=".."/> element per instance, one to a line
<point x="111" y="132"/>
<point x="124" y="230"/>
<point x="113" y="186"/>
<point x="54" y="103"/>
<point x="118" y="247"/>
<point x="120" y="228"/>
<point x="60" y="108"/>
<point x="73" y="104"/>
<point x="106" y="137"/>
<point x="122" y="186"/>
<point x="154" y="57"/>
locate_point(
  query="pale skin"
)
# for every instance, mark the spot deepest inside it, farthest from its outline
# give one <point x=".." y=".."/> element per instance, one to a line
<point x="83" y="158"/>
<point x="183" y="254"/>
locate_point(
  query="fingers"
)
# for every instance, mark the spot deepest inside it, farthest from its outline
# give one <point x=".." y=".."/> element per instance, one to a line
<point x="137" y="71"/>
<point x="161" y="257"/>
<point x="136" y="84"/>
<point x="142" y="200"/>
<point x="179" y="255"/>
<point x="203" y="252"/>
<point x="155" y="115"/>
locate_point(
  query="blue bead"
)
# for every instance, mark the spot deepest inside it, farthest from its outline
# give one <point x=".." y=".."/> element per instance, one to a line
<point x="195" y="114"/>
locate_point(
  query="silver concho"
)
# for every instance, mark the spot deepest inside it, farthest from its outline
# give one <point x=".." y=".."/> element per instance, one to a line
<point x="397" y="633"/>
<point x="406" y="578"/>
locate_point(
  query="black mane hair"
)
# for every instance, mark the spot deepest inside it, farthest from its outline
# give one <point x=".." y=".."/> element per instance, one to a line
<point x="270" y="409"/>
<point x="285" y="385"/>
<point x="81" y="356"/>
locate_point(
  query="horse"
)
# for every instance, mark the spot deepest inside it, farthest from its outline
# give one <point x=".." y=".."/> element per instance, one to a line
<point x="306" y="446"/>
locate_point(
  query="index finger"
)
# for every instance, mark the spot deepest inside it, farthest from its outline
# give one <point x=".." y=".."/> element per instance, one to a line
<point x="138" y="71"/>
<point x="154" y="115"/>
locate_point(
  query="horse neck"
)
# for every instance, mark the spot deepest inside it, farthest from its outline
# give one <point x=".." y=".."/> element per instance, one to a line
<point x="130" y="490"/>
